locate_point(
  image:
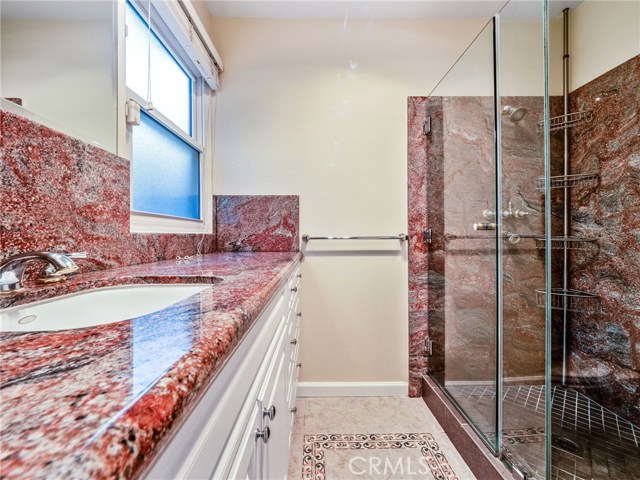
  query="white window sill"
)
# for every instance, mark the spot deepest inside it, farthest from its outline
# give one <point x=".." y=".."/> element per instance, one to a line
<point x="149" y="223"/>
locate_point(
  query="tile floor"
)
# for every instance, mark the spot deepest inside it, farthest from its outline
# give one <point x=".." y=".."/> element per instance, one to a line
<point x="602" y="445"/>
<point x="371" y="438"/>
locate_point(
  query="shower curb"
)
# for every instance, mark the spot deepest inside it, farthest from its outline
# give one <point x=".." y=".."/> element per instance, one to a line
<point x="474" y="452"/>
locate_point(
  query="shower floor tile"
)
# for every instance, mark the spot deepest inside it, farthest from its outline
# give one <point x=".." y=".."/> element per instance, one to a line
<point x="372" y="438"/>
<point x="588" y="441"/>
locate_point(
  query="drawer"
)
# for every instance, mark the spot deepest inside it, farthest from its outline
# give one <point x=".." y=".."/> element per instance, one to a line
<point x="294" y="286"/>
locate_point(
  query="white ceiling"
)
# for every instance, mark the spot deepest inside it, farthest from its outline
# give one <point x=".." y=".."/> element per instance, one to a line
<point x="400" y="9"/>
<point x="354" y="9"/>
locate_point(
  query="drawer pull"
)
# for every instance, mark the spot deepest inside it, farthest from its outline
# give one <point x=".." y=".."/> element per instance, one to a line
<point x="294" y="289"/>
<point x="269" y="412"/>
<point x="299" y="275"/>
<point x="294" y="410"/>
<point x="263" y="434"/>
<point x="298" y="365"/>
<point x="299" y="314"/>
<point x="294" y="341"/>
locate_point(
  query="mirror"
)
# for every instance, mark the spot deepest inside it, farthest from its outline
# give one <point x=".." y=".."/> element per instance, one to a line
<point x="58" y="60"/>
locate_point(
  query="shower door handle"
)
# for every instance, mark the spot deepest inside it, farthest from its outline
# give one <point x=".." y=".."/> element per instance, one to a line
<point x="484" y="226"/>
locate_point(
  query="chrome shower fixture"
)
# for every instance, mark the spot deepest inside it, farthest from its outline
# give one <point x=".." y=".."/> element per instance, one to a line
<point x="516" y="114"/>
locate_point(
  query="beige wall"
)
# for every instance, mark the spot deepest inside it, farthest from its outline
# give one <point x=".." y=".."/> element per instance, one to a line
<point x="521" y="61"/>
<point x="319" y="108"/>
<point x="603" y="34"/>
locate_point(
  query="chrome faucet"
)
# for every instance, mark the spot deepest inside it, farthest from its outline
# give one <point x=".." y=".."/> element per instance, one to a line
<point x="12" y="268"/>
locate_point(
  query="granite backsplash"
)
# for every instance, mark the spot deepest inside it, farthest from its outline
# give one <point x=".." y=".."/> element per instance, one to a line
<point x="62" y="194"/>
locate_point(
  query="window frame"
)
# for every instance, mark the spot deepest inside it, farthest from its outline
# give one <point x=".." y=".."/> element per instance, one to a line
<point x="146" y="222"/>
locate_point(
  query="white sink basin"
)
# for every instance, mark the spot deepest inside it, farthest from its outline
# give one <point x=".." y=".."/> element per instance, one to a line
<point x="94" y="307"/>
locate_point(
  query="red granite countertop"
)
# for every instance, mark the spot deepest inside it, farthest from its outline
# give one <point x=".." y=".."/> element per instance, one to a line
<point x="99" y="402"/>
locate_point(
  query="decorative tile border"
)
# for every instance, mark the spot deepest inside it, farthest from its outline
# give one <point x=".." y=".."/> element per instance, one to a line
<point x="520" y="435"/>
<point x="315" y="446"/>
<point x="523" y="435"/>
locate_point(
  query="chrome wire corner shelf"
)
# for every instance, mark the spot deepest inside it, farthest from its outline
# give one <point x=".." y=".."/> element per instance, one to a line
<point x="567" y="121"/>
<point x="566" y="181"/>
<point x="570" y="300"/>
<point x="570" y="243"/>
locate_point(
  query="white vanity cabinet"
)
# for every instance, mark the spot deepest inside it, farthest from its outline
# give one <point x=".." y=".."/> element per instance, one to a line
<point x="241" y="427"/>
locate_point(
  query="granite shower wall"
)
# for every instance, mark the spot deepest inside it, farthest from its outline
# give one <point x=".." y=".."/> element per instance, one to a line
<point x="419" y="173"/>
<point x="604" y="349"/>
<point x="59" y="193"/>
<point x="522" y="164"/>
<point x="452" y="282"/>
<point x="468" y="176"/>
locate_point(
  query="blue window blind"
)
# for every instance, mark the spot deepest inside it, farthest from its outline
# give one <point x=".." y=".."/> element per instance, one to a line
<point x="165" y="170"/>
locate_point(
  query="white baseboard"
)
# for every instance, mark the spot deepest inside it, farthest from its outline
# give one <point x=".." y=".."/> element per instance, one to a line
<point x="353" y="389"/>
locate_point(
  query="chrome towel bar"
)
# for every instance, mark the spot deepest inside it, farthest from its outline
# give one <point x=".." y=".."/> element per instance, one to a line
<point x="401" y="236"/>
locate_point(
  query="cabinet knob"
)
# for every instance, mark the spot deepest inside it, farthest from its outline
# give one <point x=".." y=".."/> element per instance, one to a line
<point x="299" y="314"/>
<point x="294" y="289"/>
<point x="299" y="275"/>
<point x="264" y="434"/>
<point x="294" y="341"/>
<point x="269" y="412"/>
<point x="298" y="365"/>
<point x="294" y="410"/>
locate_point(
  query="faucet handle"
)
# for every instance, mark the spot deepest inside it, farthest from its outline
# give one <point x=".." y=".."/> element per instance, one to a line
<point x="49" y="274"/>
<point x="76" y="255"/>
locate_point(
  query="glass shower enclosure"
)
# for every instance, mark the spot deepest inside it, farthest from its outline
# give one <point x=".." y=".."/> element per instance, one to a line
<point x="502" y="304"/>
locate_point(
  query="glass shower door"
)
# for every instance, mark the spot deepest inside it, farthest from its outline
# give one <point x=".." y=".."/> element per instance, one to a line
<point x="487" y="259"/>
<point x="463" y="257"/>
<point x="523" y="247"/>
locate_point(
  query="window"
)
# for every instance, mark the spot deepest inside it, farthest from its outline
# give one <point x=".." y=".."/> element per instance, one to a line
<point x="165" y="172"/>
<point x="168" y="84"/>
<point x="164" y="75"/>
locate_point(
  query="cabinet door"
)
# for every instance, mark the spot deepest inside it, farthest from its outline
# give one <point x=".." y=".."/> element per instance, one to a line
<point x="276" y="455"/>
<point x="257" y="459"/>
<point x="248" y="461"/>
<point x="208" y="441"/>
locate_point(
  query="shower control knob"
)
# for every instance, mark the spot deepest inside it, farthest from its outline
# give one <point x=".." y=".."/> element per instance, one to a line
<point x="488" y="214"/>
